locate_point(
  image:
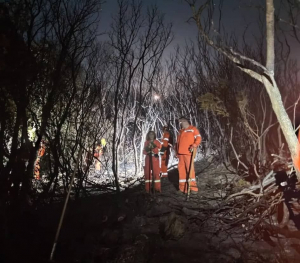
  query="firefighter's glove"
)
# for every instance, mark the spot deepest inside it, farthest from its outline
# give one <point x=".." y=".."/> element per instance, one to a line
<point x="192" y="147"/>
<point x="149" y="148"/>
<point x="152" y="145"/>
<point x="163" y="149"/>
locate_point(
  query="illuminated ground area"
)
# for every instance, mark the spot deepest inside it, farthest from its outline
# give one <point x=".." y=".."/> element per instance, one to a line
<point x="135" y="227"/>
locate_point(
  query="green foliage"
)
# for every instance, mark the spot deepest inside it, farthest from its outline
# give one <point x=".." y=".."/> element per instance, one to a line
<point x="241" y="183"/>
<point x="213" y="103"/>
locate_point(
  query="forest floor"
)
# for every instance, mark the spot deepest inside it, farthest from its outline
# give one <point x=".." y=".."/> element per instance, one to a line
<point x="136" y="227"/>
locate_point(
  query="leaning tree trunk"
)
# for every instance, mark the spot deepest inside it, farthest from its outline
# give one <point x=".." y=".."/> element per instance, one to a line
<point x="264" y="74"/>
<point x="282" y="117"/>
<point x="271" y="85"/>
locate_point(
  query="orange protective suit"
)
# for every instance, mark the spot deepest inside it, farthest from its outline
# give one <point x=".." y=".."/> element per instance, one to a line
<point x="297" y="159"/>
<point x="97" y="154"/>
<point x="155" y="165"/>
<point x="187" y="138"/>
<point x="166" y="144"/>
<point x="37" y="167"/>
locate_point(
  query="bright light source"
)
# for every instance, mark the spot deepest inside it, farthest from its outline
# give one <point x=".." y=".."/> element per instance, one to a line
<point x="156" y="97"/>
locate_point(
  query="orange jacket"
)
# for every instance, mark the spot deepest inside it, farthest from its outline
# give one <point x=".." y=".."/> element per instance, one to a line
<point x="98" y="152"/>
<point x="154" y="150"/>
<point x="297" y="159"/>
<point x="167" y="140"/>
<point x="186" y="138"/>
<point x="37" y="167"/>
<point x="41" y="151"/>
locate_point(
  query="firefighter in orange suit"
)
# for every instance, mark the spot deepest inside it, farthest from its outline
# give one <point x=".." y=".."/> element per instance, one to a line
<point x="37" y="167"/>
<point x="297" y="159"/>
<point x="151" y="150"/>
<point x="97" y="155"/>
<point x="165" y="151"/>
<point x="188" y="140"/>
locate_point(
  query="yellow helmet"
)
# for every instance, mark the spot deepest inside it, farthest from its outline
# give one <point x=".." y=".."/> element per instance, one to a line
<point x="103" y="142"/>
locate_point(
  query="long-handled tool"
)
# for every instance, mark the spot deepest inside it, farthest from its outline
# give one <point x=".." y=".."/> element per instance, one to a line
<point x="149" y="181"/>
<point x="190" y="172"/>
<point x="65" y="206"/>
<point x="151" y="173"/>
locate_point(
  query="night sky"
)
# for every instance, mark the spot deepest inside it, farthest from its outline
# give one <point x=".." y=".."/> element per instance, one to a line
<point x="236" y="15"/>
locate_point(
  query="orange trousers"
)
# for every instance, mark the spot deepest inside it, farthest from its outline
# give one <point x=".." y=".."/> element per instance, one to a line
<point x="183" y="169"/>
<point x="164" y="164"/>
<point x="155" y="173"/>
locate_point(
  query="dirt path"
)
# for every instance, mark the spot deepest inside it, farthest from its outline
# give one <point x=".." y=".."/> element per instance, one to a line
<point x="135" y="227"/>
